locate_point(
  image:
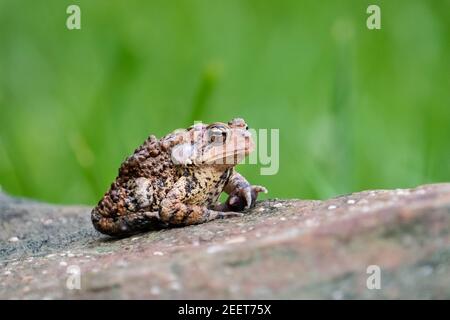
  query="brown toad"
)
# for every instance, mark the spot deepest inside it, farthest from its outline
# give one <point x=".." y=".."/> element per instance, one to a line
<point x="177" y="180"/>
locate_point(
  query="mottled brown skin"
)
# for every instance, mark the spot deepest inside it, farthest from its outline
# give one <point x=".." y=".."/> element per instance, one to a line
<point x="177" y="180"/>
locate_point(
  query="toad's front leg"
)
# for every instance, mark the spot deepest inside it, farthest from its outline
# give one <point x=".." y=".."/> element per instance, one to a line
<point x="242" y="195"/>
<point x="176" y="209"/>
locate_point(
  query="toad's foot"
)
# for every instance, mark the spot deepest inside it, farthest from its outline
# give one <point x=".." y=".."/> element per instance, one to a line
<point x="244" y="198"/>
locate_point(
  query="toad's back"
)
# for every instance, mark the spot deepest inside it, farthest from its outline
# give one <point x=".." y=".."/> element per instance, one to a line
<point x="143" y="181"/>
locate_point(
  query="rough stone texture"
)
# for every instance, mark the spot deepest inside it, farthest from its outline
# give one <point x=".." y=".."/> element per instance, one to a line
<point x="282" y="249"/>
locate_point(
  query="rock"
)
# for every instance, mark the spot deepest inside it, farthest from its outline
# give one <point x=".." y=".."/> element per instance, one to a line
<point x="283" y="249"/>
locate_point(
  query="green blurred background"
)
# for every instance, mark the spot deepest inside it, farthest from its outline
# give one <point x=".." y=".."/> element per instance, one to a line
<point x="356" y="109"/>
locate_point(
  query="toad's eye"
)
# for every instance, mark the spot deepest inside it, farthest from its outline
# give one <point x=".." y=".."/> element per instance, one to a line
<point x="217" y="135"/>
<point x="246" y="127"/>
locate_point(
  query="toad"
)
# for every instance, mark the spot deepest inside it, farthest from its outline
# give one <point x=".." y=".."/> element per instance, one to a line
<point x="177" y="181"/>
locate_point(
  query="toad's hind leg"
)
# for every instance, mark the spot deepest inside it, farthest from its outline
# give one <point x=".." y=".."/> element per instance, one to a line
<point x="176" y="213"/>
<point x="124" y="225"/>
<point x="179" y="209"/>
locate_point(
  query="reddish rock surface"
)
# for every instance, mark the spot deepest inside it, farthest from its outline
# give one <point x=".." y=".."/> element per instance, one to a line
<point x="282" y="249"/>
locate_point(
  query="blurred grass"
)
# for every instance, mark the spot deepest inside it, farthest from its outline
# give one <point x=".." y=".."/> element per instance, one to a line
<point x="356" y="109"/>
